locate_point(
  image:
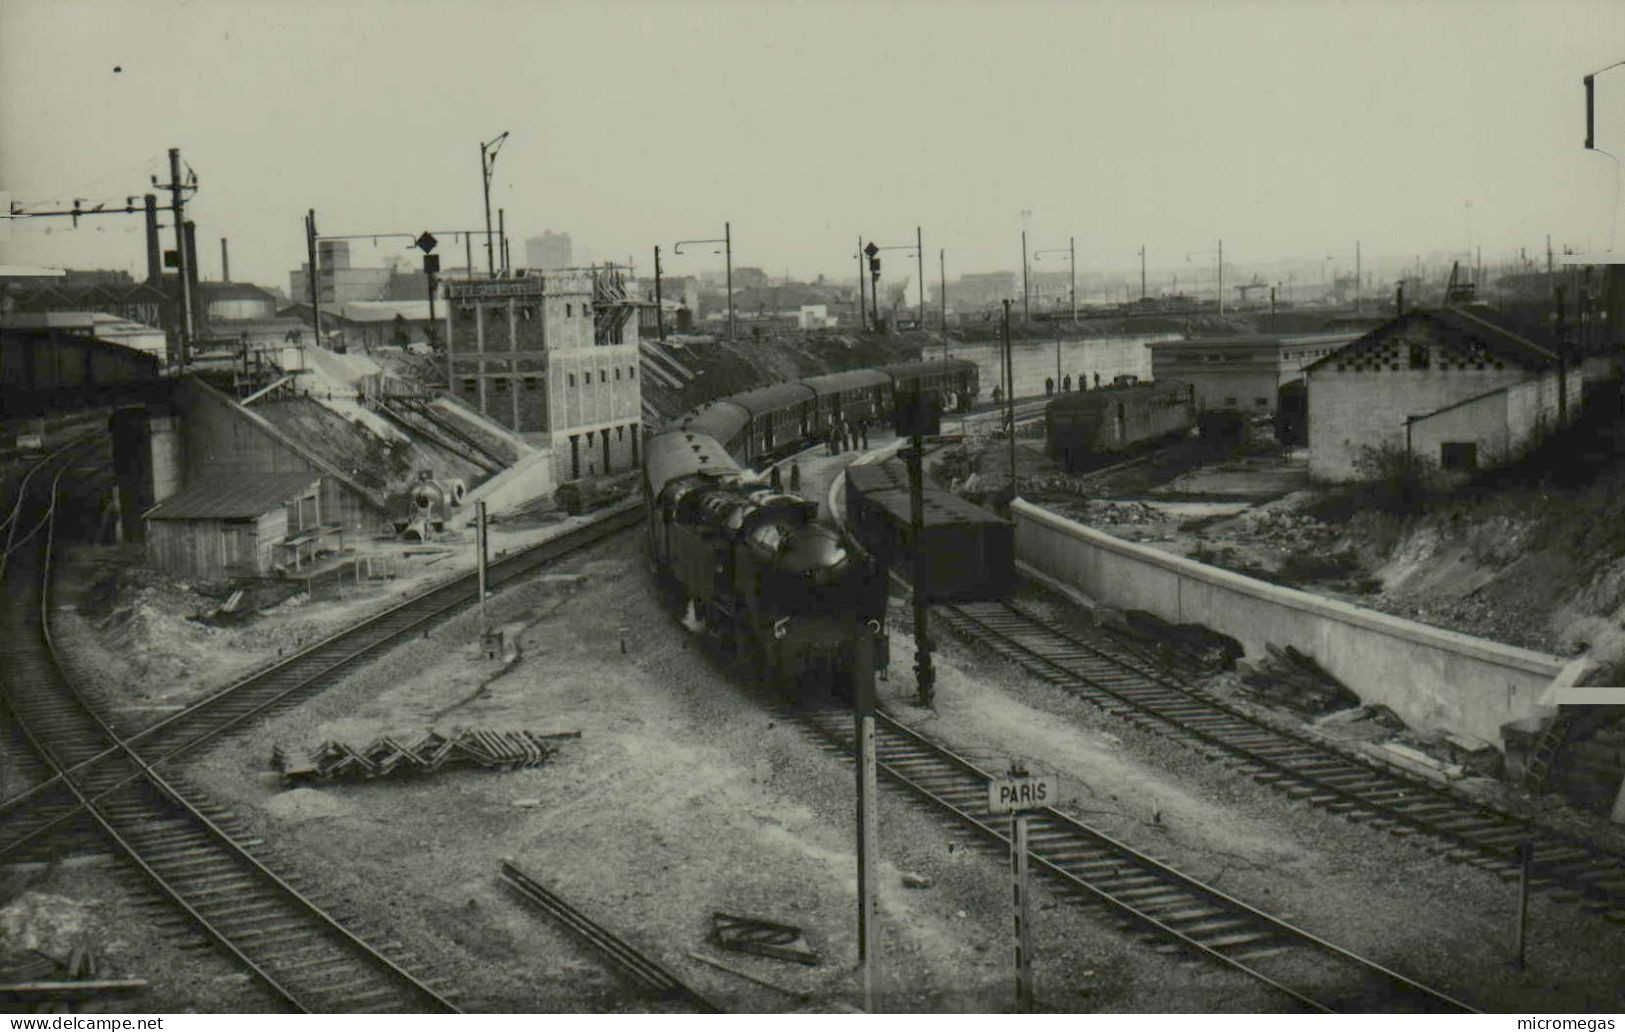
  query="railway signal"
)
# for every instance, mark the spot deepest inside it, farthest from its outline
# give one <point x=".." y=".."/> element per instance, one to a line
<point x="1018" y="793"/>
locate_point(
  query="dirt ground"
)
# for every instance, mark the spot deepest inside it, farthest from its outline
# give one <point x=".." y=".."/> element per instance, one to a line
<point x="141" y="641"/>
<point x="684" y="796"/>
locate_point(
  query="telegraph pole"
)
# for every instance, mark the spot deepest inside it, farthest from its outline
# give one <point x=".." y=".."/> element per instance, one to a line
<point x="1221" y="277"/>
<point x="184" y="270"/>
<point x="728" y="250"/>
<point x="1026" y="313"/>
<point x="1142" y="271"/>
<point x="660" y="311"/>
<point x="919" y="251"/>
<point x="863" y="296"/>
<point x="1072" y="262"/>
<point x="488" y="160"/>
<point x="863" y="714"/>
<point x="1010" y="396"/>
<point x="1357" y="280"/>
<point x="925" y="675"/>
<point x="942" y="298"/>
<point x="502" y="239"/>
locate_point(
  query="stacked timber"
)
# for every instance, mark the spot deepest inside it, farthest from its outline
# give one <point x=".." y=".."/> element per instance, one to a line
<point x="1293" y="679"/>
<point x="388" y="756"/>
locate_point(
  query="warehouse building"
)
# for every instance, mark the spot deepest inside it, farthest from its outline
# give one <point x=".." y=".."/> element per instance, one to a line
<point x="1454" y="385"/>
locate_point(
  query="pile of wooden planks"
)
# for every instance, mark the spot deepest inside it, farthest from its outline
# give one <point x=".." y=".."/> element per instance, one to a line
<point x="1293" y="679"/>
<point x="388" y="756"/>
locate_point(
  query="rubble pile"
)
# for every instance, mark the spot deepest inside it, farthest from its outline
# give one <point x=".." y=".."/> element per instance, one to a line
<point x="388" y="756"/>
<point x="1285" y="527"/>
<point x="1293" y="679"/>
<point x="1127" y="513"/>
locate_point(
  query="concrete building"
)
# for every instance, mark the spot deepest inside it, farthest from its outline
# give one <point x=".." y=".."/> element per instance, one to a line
<point x="548" y="252"/>
<point x="336" y="279"/>
<point x="554" y="357"/>
<point x="1452" y="385"/>
<point x="241" y="525"/>
<point x="1243" y="374"/>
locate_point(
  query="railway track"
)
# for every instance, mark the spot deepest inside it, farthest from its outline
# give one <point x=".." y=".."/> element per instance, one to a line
<point x="1089" y="867"/>
<point x="1096" y="667"/>
<point x="25" y="819"/>
<point x="196" y="855"/>
<point x="184" y="847"/>
<point x="645" y="973"/>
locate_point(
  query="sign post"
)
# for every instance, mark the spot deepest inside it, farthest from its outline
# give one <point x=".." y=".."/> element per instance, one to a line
<point x="863" y="713"/>
<point x="1019" y="793"/>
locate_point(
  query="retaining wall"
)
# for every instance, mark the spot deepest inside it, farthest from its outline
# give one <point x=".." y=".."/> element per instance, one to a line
<point x="1432" y="678"/>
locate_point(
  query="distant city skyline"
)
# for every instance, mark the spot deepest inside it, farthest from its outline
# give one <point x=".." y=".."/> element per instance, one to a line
<point x="1289" y="130"/>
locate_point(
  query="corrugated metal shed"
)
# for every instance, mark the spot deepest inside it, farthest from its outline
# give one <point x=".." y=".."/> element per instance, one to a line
<point x="240" y="496"/>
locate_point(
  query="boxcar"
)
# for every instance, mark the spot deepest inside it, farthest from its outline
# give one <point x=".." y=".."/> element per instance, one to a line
<point x="1084" y="428"/>
<point x="969" y="552"/>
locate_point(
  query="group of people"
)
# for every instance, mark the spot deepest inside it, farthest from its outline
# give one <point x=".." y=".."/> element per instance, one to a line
<point x="1066" y="383"/>
<point x="842" y="436"/>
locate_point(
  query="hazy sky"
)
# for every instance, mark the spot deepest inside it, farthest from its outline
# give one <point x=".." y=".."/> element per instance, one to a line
<point x="1287" y="129"/>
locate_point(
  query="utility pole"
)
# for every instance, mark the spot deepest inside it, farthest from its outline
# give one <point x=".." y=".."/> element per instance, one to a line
<point x="660" y="311"/>
<point x="863" y="297"/>
<point x="925" y="675"/>
<point x="1221" y="277"/>
<point x="184" y="270"/>
<point x="315" y="289"/>
<point x="1356" y="277"/>
<point x="728" y="249"/>
<point x="502" y="239"/>
<point x="1026" y="312"/>
<point x="488" y="160"/>
<point x="942" y="297"/>
<point x="1072" y="263"/>
<point x="919" y="252"/>
<point x="1010" y="396"/>
<point x="863" y="719"/>
<point x="1142" y="271"/>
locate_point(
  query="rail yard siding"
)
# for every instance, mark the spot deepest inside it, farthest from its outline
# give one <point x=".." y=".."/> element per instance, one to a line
<point x="1432" y="678"/>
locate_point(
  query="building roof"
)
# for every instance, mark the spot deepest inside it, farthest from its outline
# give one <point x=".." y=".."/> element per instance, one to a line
<point x="234" y="292"/>
<point x="239" y="496"/>
<point x="1475" y="338"/>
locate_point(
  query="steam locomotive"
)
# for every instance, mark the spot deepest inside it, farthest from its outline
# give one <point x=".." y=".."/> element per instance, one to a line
<point x="795" y="600"/>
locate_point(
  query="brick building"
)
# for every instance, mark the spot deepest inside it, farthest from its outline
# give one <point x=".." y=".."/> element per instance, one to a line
<point x="1455" y="385"/>
<point x="554" y="357"/>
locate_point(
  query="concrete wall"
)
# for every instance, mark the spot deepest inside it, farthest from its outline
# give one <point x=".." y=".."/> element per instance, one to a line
<point x="1434" y="679"/>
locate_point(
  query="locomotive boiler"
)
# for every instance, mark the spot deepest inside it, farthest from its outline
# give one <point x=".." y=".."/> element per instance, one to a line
<point x="792" y="598"/>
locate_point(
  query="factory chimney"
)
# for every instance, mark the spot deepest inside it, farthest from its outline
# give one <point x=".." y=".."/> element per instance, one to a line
<point x="225" y="262"/>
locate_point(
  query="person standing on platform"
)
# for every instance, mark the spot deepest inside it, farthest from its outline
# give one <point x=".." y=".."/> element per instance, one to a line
<point x="863" y="432"/>
<point x="1097" y="381"/>
<point x="1066" y="384"/>
<point x="795" y="476"/>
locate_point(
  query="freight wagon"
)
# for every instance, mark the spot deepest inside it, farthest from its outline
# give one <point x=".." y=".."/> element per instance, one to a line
<point x="969" y="552"/>
<point x="1086" y="428"/>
